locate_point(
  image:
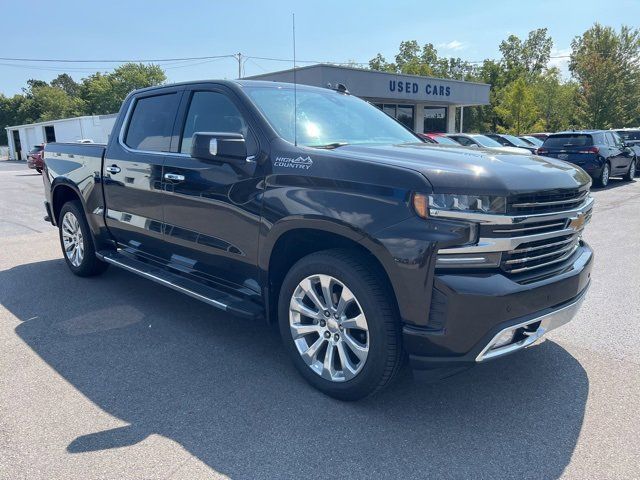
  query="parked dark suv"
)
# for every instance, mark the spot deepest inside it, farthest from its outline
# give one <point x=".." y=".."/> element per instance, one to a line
<point x="602" y="154"/>
<point x="631" y="136"/>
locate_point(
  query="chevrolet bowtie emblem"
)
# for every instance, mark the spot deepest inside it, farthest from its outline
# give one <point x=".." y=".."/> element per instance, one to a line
<point x="577" y="223"/>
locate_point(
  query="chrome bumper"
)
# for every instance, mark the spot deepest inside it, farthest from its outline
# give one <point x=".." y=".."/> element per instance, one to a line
<point x="548" y="322"/>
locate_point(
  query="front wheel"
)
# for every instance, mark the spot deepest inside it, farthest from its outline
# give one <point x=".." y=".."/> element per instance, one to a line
<point x="631" y="173"/>
<point x="77" y="243"/>
<point x="339" y="324"/>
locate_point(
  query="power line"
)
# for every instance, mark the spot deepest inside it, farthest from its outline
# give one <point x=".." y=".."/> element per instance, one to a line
<point x="178" y="61"/>
<point x="138" y="60"/>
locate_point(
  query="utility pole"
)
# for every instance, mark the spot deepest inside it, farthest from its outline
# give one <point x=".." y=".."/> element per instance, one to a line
<point x="239" y="57"/>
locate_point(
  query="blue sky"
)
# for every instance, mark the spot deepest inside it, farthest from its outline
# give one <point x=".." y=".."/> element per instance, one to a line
<point x="328" y="30"/>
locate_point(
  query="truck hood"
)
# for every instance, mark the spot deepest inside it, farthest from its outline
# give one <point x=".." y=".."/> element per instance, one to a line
<point x="472" y="170"/>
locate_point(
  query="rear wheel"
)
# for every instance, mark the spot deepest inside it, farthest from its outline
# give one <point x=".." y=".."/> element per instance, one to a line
<point x="603" y="180"/>
<point x="631" y="173"/>
<point x="76" y="241"/>
<point x="339" y="324"/>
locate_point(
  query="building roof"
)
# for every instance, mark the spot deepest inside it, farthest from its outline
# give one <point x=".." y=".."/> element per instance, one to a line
<point x="358" y="69"/>
<point x="385" y="86"/>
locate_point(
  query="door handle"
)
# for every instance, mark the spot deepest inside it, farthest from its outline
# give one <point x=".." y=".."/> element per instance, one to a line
<point x="174" y="177"/>
<point x="113" y="169"/>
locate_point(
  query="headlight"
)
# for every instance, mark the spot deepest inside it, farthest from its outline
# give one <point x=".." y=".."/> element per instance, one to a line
<point x="467" y="203"/>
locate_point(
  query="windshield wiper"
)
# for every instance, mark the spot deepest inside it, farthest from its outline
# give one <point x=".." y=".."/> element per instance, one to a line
<point x="330" y="146"/>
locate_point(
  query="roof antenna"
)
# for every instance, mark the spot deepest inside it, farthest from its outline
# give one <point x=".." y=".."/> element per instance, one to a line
<point x="295" y="86"/>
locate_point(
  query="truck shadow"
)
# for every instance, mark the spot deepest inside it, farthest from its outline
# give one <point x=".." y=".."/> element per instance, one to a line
<point x="224" y="389"/>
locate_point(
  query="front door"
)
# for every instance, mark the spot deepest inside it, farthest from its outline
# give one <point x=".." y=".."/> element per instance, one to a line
<point x="212" y="209"/>
<point x="623" y="155"/>
<point x="133" y="172"/>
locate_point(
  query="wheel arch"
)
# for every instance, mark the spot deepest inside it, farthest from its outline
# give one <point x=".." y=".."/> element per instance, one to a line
<point x="301" y="238"/>
<point x="62" y="192"/>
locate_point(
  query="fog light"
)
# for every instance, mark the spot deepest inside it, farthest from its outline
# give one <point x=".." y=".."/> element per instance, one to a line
<point x="505" y="338"/>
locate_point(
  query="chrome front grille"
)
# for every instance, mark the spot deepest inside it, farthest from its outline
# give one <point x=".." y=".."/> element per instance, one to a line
<point x="518" y="244"/>
<point x="518" y="230"/>
<point x="546" y="202"/>
<point x="539" y="254"/>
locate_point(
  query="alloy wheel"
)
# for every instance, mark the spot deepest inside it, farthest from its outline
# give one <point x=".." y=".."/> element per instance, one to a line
<point x="72" y="239"/>
<point x="329" y="328"/>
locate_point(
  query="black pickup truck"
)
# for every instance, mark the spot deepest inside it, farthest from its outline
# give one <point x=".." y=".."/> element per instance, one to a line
<point x="312" y="209"/>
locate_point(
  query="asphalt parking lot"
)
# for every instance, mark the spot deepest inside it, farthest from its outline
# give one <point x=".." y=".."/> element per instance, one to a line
<point x="116" y="377"/>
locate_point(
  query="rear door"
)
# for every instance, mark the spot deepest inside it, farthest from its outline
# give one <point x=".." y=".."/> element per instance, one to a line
<point x="212" y="209"/>
<point x="133" y="171"/>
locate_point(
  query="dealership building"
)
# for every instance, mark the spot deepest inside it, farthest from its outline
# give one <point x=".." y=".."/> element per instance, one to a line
<point x="424" y="104"/>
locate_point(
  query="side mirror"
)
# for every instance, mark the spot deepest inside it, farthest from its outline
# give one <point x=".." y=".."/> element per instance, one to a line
<point x="221" y="147"/>
<point x="473" y="145"/>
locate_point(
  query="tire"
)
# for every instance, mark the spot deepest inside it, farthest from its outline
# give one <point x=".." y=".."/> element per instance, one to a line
<point x="631" y="173"/>
<point x="353" y="374"/>
<point x="603" y="179"/>
<point x="76" y="241"/>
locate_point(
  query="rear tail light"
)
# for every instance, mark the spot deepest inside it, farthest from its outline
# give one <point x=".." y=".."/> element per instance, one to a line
<point x="542" y="151"/>
<point x="590" y="150"/>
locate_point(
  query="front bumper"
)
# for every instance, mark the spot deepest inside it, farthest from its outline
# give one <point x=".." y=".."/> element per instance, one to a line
<point x="473" y="309"/>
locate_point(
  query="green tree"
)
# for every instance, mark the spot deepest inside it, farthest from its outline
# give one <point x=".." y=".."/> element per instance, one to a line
<point x="556" y="101"/>
<point x="66" y="83"/>
<point x="605" y="64"/>
<point x="527" y="57"/>
<point x="104" y="92"/>
<point x="485" y="118"/>
<point x="54" y="103"/>
<point x="630" y="66"/>
<point x="380" y="64"/>
<point x="517" y="108"/>
<point x="99" y="93"/>
<point x="411" y="59"/>
<point x="9" y="114"/>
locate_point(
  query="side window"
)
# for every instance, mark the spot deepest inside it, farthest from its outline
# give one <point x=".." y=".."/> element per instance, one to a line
<point x="214" y="112"/>
<point x="617" y="141"/>
<point x="463" y="141"/>
<point x="151" y="123"/>
<point x="610" y="140"/>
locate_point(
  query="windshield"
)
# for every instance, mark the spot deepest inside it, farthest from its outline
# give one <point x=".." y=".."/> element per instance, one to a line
<point x="629" y="134"/>
<point x="485" y="141"/>
<point x="444" y="140"/>
<point x="534" y="141"/>
<point x="518" y="142"/>
<point x="568" y="140"/>
<point x="327" y="118"/>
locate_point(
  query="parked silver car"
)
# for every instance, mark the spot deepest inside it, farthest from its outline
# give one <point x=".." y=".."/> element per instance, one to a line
<point x="475" y="140"/>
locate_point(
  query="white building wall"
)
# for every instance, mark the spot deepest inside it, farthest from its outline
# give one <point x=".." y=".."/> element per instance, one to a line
<point x="96" y="128"/>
